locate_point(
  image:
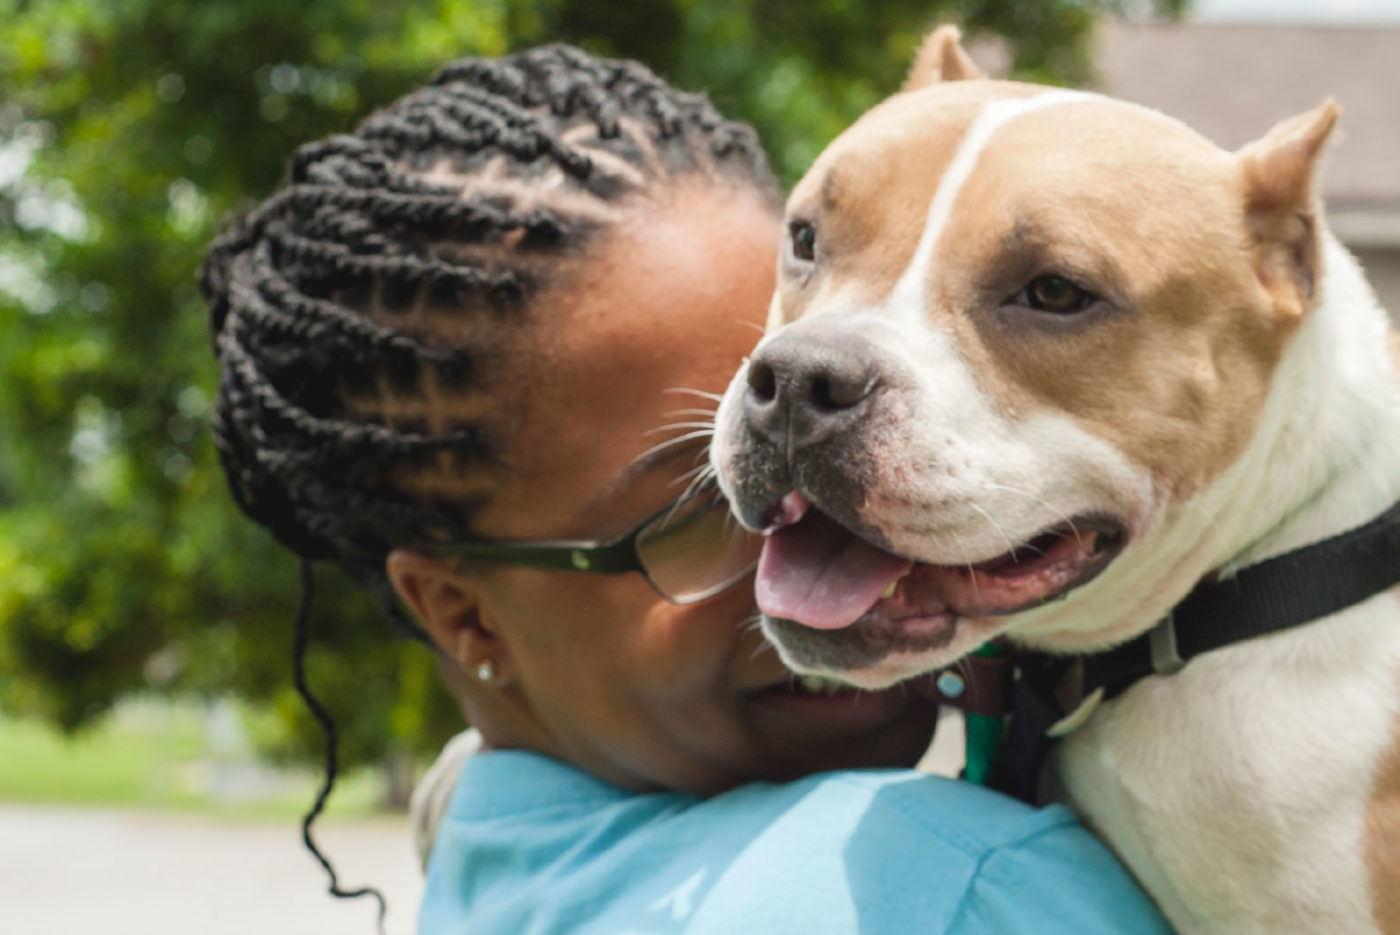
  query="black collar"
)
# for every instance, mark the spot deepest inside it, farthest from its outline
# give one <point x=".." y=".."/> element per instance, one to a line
<point x="1295" y="588"/>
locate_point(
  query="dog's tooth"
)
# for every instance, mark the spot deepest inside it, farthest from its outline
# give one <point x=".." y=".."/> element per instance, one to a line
<point x="889" y="591"/>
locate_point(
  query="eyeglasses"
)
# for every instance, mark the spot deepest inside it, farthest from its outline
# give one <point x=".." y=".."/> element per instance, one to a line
<point x="688" y="551"/>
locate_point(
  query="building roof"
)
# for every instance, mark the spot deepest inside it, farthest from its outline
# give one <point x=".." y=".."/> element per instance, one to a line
<point x="1232" y="82"/>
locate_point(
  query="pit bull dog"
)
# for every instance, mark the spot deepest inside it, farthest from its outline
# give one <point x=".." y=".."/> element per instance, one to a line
<point x="1041" y="364"/>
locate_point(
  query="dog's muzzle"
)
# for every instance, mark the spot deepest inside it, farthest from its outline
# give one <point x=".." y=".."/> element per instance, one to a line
<point x="799" y="419"/>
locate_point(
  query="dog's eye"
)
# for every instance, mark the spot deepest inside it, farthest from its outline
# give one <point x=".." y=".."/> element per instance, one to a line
<point x="1055" y="294"/>
<point x="803" y="237"/>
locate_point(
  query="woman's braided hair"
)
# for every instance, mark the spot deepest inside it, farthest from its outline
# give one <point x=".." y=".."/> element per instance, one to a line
<point x="381" y="270"/>
<point x="368" y="272"/>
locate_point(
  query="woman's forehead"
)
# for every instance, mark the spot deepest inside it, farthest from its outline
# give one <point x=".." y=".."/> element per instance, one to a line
<point x="667" y="313"/>
<point x="670" y="312"/>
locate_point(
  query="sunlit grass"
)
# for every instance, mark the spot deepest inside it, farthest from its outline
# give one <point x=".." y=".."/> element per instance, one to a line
<point x="161" y="757"/>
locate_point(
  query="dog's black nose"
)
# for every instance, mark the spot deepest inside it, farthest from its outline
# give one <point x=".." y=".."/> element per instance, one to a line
<point x="808" y="385"/>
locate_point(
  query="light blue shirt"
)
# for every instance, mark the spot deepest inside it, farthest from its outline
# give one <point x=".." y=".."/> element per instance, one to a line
<point x="530" y="845"/>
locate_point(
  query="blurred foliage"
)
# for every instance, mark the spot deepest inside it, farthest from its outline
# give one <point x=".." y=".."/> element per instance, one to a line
<point x="127" y="131"/>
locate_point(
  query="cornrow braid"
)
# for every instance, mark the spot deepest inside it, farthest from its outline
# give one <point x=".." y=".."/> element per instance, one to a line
<point x="364" y="279"/>
<point x="308" y="293"/>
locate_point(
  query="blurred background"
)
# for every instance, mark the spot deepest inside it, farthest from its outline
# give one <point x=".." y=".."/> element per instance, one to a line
<point x="153" y="755"/>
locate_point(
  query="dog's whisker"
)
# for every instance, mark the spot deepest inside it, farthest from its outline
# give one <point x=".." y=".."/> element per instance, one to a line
<point x="1060" y="515"/>
<point x="1010" y="546"/>
<point x="662" y="446"/>
<point x="754" y="625"/>
<point x="967" y="560"/>
<point x="690" y="489"/>
<point x="673" y="426"/>
<point x="690" y="412"/>
<point x="693" y="392"/>
<point x="1205" y="514"/>
<point x="760" y="649"/>
<point x="748" y="324"/>
<point x="701" y="468"/>
<point x="701" y="478"/>
<point x="690" y="474"/>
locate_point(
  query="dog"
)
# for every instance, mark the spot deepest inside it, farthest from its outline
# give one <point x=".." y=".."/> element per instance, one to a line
<point x="1040" y="364"/>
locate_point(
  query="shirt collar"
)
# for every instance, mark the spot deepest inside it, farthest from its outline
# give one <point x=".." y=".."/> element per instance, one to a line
<point x="497" y="783"/>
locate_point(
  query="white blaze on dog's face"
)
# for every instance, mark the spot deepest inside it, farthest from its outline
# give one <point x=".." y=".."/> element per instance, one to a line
<point x="1014" y="325"/>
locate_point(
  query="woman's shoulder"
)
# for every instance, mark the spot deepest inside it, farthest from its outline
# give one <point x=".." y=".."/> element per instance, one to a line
<point x="942" y="819"/>
<point x="908" y="804"/>
<point x="884" y="847"/>
<point x="871" y="851"/>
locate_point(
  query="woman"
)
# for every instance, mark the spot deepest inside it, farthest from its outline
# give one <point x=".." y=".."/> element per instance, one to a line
<point x="469" y="353"/>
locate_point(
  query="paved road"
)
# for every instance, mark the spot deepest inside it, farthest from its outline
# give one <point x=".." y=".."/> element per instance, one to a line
<point x="68" y="871"/>
<point x="72" y="871"/>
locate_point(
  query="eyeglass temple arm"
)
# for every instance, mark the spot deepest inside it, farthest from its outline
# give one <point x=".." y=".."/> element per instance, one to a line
<point x="613" y="558"/>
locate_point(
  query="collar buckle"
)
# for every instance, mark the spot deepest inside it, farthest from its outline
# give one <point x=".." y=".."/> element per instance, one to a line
<point x="1161" y="642"/>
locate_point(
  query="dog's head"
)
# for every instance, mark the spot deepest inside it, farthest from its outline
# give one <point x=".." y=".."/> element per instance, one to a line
<point x="1013" y="326"/>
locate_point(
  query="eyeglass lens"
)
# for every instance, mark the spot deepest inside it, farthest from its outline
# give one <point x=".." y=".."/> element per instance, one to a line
<point x="697" y="550"/>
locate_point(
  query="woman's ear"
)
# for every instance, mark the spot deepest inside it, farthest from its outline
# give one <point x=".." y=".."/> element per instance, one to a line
<point x="447" y="604"/>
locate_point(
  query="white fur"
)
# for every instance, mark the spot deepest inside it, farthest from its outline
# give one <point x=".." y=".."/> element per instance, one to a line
<point x="1236" y="789"/>
<point x="1260" y="758"/>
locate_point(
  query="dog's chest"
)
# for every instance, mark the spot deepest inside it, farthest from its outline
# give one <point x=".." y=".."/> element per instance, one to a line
<point x="1238" y="790"/>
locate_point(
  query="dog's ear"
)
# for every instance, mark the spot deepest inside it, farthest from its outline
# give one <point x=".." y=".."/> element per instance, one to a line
<point x="1278" y="170"/>
<point x="941" y="58"/>
<point x="1279" y="166"/>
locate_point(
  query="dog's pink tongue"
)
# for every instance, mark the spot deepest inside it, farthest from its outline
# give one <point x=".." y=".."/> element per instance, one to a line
<point x="817" y="573"/>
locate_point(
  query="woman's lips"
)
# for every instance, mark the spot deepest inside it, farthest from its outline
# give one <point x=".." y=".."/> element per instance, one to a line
<point x="815" y="572"/>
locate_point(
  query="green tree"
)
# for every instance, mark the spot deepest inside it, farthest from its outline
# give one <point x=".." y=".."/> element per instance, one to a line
<point x="127" y="131"/>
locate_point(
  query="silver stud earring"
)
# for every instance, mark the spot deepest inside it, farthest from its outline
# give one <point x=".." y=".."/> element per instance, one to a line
<point x="485" y="670"/>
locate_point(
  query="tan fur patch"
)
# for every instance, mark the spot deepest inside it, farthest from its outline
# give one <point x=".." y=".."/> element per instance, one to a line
<point x="865" y="237"/>
<point x="1383" y="838"/>
<point x="1174" y="370"/>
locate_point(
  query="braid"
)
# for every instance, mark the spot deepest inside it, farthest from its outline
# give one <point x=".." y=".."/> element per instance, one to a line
<point x="363" y="280"/>
<point x="345" y="285"/>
